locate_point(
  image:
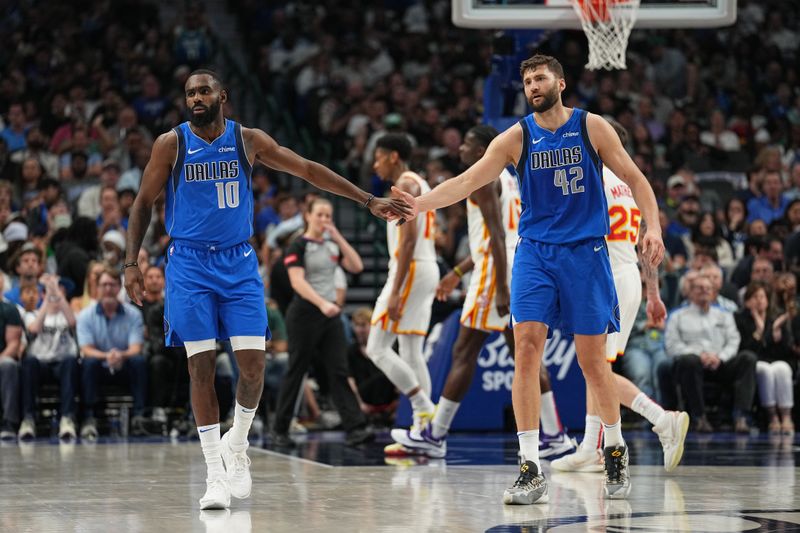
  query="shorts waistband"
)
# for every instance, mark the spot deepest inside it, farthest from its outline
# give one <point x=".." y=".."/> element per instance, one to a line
<point x="205" y="246"/>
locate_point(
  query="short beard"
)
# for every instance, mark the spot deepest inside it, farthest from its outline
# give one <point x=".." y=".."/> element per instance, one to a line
<point x="206" y="118"/>
<point x="548" y="101"/>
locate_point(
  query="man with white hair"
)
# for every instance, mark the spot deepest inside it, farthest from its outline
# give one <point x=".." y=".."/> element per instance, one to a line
<point x="714" y="274"/>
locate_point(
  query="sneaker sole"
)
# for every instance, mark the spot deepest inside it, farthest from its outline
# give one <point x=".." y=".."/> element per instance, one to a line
<point x="683" y="421"/>
<point x="521" y="499"/>
<point x="592" y="468"/>
<point x="214" y="505"/>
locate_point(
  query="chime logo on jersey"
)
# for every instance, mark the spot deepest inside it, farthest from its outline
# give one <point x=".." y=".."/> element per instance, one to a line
<point x="211" y="170"/>
<point x="558" y="157"/>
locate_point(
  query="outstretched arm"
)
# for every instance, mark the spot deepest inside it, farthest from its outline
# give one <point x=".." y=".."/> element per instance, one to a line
<point x="154" y="177"/>
<point x="266" y="150"/>
<point x="613" y="154"/>
<point x="503" y="150"/>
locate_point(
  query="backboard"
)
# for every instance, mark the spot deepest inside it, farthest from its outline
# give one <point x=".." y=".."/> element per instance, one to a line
<point x="559" y="14"/>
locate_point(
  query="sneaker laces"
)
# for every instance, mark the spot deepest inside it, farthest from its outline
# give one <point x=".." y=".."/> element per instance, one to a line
<point x="615" y="468"/>
<point x="526" y="478"/>
<point x="240" y="462"/>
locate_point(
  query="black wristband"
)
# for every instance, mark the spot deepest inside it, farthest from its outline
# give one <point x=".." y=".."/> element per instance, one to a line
<point x="371" y="197"/>
<point x="131" y="264"/>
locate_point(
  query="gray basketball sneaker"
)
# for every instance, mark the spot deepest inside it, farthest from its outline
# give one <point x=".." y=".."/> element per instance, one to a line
<point x="530" y="487"/>
<point x="618" y="481"/>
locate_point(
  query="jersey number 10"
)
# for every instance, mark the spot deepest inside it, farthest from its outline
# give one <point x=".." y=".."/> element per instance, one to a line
<point x="227" y="194"/>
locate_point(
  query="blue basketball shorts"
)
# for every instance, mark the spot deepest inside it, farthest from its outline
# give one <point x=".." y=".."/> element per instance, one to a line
<point x="565" y="286"/>
<point x="212" y="293"/>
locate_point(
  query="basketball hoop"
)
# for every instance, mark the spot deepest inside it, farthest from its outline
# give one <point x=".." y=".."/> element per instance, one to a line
<point x="607" y="24"/>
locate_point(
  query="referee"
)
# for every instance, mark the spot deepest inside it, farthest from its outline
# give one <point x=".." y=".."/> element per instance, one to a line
<point x="315" y="329"/>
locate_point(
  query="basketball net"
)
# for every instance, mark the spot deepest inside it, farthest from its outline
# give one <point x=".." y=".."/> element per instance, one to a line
<point x="607" y="24"/>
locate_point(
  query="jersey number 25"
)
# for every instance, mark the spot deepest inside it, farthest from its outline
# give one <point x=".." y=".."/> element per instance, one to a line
<point x="624" y="223"/>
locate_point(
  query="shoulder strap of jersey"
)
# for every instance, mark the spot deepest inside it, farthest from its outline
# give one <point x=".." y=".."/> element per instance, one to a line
<point x="244" y="162"/>
<point x="586" y="141"/>
<point x="526" y="139"/>
<point x="179" y="158"/>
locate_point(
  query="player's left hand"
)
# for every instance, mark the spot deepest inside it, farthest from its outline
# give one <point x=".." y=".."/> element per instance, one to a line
<point x="503" y="300"/>
<point x="411" y="202"/>
<point x="656" y="311"/>
<point x="393" y="307"/>
<point x="390" y="208"/>
<point x="653" y="247"/>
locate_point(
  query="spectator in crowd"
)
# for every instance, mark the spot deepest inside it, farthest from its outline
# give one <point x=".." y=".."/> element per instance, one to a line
<point x="377" y="396"/>
<point x="772" y="204"/>
<point x="75" y="253"/>
<point x="11" y="326"/>
<point x="703" y="341"/>
<point x="51" y="356"/>
<point x="27" y="263"/>
<point x="687" y="217"/>
<point x="91" y="292"/>
<point x="111" y="216"/>
<point x="768" y="336"/>
<point x="708" y="234"/>
<point x="113" y="247"/>
<point x="729" y="300"/>
<point x="90" y="203"/>
<point x="16" y="129"/>
<point x="735" y="225"/>
<point x="718" y="136"/>
<point x="110" y="336"/>
<point x="36" y="148"/>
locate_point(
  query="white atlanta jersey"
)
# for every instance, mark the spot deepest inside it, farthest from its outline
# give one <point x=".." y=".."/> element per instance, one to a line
<point x="424" y="249"/>
<point x="624" y="218"/>
<point x="480" y="310"/>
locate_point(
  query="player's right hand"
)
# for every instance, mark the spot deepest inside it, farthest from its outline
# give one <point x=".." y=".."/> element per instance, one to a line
<point x="410" y="200"/>
<point x="503" y="300"/>
<point x="653" y="247"/>
<point x="446" y="285"/>
<point x="134" y="284"/>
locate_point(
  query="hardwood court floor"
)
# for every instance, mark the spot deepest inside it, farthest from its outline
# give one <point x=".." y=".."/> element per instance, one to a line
<point x="727" y="484"/>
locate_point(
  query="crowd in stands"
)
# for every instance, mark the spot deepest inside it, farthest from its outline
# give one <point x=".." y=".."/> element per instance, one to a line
<point x="714" y="117"/>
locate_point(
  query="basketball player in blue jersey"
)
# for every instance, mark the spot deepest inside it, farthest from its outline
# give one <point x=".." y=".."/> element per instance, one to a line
<point x="213" y="289"/>
<point x="561" y="275"/>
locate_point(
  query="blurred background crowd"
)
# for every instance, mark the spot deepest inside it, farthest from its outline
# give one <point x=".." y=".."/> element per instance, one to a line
<point x="714" y="123"/>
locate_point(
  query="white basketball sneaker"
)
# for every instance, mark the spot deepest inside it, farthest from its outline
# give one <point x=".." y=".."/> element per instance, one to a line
<point x="237" y="464"/>
<point x="217" y="496"/>
<point x="671" y="429"/>
<point x="582" y="460"/>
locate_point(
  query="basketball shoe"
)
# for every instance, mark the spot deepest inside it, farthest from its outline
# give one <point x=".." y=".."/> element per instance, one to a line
<point x="553" y="445"/>
<point x="671" y="429"/>
<point x="618" y="481"/>
<point x="582" y="460"/>
<point x="419" y="441"/>
<point x="217" y="496"/>
<point x="530" y="487"/>
<point x="237" y="464"/>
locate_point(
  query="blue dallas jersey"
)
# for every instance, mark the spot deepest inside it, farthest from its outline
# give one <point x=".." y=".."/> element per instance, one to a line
<point x="209" y="199"/>
<point x="561" y="183"/>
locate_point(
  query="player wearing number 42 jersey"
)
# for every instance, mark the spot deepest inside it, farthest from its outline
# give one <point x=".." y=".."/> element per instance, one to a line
<point x="213" y="289"/>
<point x="561" y="276"/>
<point x="493" y="213"/>
<point x="670" y="426"/>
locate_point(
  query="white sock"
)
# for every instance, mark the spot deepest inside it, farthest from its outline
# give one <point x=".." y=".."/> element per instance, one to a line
<point x="591" y="434"/>
<point x="551" y="425"/>
<point x="445" y="412"/>
<point x="529" y="446"/>
<point x="421" y="403"/>
<point x="242" y="420"/>
<point x="212" y="450"/>
<point x="646" y="407"/>
<point x="613" y="434"/>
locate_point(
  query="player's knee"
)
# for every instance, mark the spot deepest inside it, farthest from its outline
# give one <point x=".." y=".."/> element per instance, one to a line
<point x="252" y="371"/>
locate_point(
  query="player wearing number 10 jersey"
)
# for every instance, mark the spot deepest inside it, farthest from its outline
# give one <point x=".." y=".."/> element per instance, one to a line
<point x="213" y="289"/>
